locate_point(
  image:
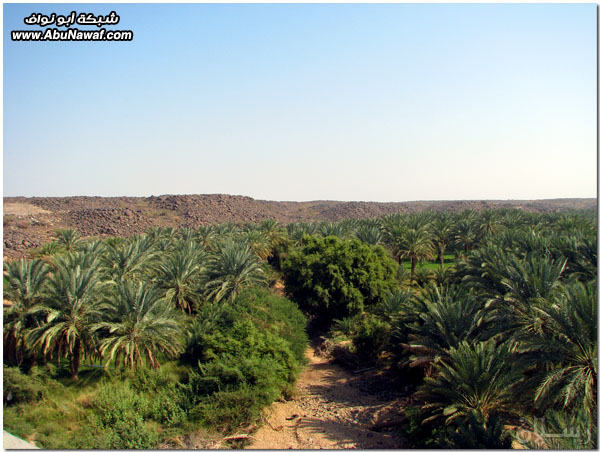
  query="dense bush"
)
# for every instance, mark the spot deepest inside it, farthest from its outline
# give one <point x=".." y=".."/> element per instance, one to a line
<point x="31" y="387"/>
<point x="226" y="410"/>
<point x="120" y="414"/>
<point x="19" y="387"/>
<point x="248" y="359"/>
<point x="332" y="278"/>
<point x="370" y="338"/>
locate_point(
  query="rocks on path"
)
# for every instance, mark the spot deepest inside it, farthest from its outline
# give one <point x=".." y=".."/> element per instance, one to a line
<point x="329" y="412"/>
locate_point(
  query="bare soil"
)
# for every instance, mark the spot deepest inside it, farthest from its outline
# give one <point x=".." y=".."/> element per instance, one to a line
<point x="330" y="411"/>
<point x="23" y="209"/>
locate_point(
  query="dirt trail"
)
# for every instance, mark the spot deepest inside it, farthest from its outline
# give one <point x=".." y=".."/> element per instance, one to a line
<point x="23" y="209"/>
<point x="329" y="411"/>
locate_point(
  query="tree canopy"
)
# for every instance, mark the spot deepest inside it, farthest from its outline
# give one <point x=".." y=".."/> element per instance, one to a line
<point x="332" y="278"/>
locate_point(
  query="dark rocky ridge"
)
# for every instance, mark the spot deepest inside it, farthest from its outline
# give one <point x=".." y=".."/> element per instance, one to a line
<point x="124" y="216"/>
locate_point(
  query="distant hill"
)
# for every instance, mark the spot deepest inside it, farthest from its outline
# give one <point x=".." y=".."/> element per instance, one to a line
<point x="29" y="222"/>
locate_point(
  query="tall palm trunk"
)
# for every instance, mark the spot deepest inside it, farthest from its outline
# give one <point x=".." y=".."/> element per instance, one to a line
<point x="440" y="254"/>
<point x="413" y="265"/>
<point x="398" y="258"/>
<point x="10" y="350"/>
<point x="29" y="357"/>
<point x="75" y="359"/>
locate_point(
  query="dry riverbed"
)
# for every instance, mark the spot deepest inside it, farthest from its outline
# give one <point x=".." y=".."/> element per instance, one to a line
<point x="329" y="411"/>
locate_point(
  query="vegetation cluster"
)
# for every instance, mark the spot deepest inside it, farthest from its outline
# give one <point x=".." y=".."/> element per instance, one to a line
<point x="488" y="320"/>
<point x="491" y="326"/>
<point x="138" y="342"/>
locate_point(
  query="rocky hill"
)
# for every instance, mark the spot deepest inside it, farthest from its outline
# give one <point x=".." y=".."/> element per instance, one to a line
<point x="29" y="222"/>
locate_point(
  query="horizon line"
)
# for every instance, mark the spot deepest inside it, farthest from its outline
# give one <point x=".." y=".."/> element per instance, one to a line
<point x="312" y="200"/>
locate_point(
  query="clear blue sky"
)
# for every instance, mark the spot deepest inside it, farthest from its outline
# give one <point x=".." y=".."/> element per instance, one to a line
<point x="374" y="102"/>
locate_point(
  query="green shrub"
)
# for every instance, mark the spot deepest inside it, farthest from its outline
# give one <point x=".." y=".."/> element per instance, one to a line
<point x="279" y="315"/>
<point x="423" y="275"/>
<point x="331" y="278"/>
<point x="243" y="354"/>
<point x="227" y="410"/>
<point x="116" y="400"/>
<point x="215" y="377"/>
<point x="20" y="387"/>
<point x="145" y="379"/>
<point x="168" y="407"/>
<point x="213" y="333"/>
<point x="120" y="413"/>
<point x="346" y="327"/>
<point x="431" y="436"/>
<point x="402" y="274"/>
<point x="129" y="432"/>
<point x="371" y="337"/>
<point x="272" y="275"/>
<point x="479" y="432"/>
<point x="247" y="359"/>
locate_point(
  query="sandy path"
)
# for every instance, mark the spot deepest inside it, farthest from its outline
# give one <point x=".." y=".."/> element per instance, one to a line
<point x="330" y="412"/>
<point x="14" y="442"/>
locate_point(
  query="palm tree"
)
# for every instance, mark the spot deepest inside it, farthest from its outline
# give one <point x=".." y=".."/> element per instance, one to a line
<point x="370" y="233"/>
<point x="72" y="309"/>
<point x="513" y="219"/>
<point x="551" y="427"/>
<point x="130" y="259"/>
<point x="274" y="233"/>
<point x="396" y="305"/>
<point x="581" y="252"/>
<point x="476" y="378"/>
<point x="50" y="249"/>
<point x="488" y="222"/>
<point x="180" y="275"/>
<point x="162" y="238"/>
<point x="92" y="247"/>
<point x="475" y="431"/>
<point x="327" y="228"/>
<point x="443" y="275"/>
<point x="26" y="286"/>
<point x="232" y="268"/>
<point x="415" y="245"/>
<point x="562" y="331"/>
<point x="401" y="308"/>
<point x="485" y="270"/>
<point x="465" y="235"/>
<point x="297" y="231"/>
<point x="441" y="233"/>
<point x="394" y="231"/>
<point x="139" y="324"/>
<point x="349" y="225"/>
<point x="226" y="230"/>
<point x="419" y="220"/>
<point x="259" y="243"/>
<point x="448" y="316"/>
<point x="69" y="239"/>
<point x="532" y="277"/>
<point x="207" y="319"/>
<point x="569" y="223"/>
<point x="187" y="234"/>
<point x="206" y="236"/>
<point x="523" y="242"/>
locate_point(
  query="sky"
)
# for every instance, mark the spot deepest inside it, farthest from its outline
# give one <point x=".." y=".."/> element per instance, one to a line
<point x="297" y="102"/>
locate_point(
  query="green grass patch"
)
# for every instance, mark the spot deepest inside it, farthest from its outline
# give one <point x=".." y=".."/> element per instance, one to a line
<point x="100" y="410"/>
<point x="449" y="261"/>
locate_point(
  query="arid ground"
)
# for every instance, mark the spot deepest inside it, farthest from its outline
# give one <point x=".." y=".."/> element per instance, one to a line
<point x="30" y="222"/>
